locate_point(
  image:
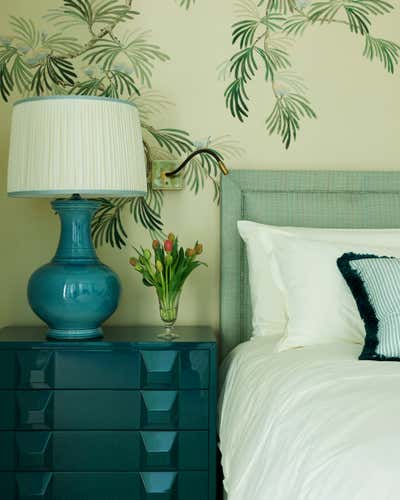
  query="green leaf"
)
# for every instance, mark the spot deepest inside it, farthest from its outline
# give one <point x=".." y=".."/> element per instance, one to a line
<point x="175" y="141"/>
<point x="284" y="119"/>
<point x="107" y="224"/>
<point x="274" y="60"/>
<point x="61" y="44"/>
<point x="139" y="52"/>
<point x="109" y="12"/>
<point x="387" y="52"/>
<point x="93" y="86"/>
<point x="185" y="3"/>
<point x="84" y="12"/>
<point x="282" y="6"/>
<point x="54" y="71"/>
<point x="25" y="31"/>
<point x="21" y="74"/>
<point x="236" y="99"/>
<point x="244" y="64"/>
<point x="244" y="32"/>
<point x="6" y="83"/>
<point x="324" y="12"/>
<point x="120" y="84"/>
<point x="296" y="25"/>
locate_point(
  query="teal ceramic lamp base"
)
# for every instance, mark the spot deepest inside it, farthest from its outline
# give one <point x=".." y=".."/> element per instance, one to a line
<point x="75" y="293"/>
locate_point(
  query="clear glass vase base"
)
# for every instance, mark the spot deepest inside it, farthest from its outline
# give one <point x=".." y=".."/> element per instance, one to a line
<point x="168" y="334"/>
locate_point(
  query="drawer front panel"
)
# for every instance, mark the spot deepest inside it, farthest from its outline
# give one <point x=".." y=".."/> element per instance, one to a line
<point x="104" y="486"/>
<point x="78" y="410"/>
<point x="97" y="451"/>
<point x="69" y="369"/>
<point x="163" y="369"/>
<point x="103" y="410"/>
<point x="7" y="370"/>
<point x="7" y="451"/>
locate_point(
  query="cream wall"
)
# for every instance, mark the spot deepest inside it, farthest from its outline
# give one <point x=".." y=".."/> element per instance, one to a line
<point x="358" y="106"/>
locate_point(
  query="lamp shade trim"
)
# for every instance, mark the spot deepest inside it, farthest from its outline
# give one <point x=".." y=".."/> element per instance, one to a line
<point x="72" y="98"/>
<point x="66" y="193"/>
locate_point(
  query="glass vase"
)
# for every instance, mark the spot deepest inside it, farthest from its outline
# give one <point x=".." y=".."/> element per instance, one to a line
<point x="169" y="305"/>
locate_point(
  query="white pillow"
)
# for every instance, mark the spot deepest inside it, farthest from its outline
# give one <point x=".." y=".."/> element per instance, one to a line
<point x="321" y="308"/>
<point x="269" y="314"/>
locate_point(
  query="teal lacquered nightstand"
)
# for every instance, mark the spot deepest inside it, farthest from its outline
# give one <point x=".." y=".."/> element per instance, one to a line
<point x="126" y="417"/>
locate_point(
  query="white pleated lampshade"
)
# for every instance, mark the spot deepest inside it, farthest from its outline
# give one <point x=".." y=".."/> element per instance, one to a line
<point x="64" y="145"/>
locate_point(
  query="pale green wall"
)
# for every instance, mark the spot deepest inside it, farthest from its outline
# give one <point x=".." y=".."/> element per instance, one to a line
<point x="358" y="106"/>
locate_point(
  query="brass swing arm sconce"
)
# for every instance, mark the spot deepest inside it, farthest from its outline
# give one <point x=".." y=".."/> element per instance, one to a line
<point x="208" y="151"/>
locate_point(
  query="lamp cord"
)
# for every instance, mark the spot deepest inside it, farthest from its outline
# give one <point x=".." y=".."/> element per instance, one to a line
<point x="208" y="151"/>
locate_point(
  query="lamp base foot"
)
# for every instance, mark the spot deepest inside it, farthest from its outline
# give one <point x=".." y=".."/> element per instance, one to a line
<point x="90" y="333"/>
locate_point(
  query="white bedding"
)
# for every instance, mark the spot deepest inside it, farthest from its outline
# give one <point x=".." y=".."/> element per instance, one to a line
<point x="309" y="424"/>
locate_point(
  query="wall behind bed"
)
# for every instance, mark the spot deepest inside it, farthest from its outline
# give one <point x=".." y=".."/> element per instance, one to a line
<point x="357" y="103"/>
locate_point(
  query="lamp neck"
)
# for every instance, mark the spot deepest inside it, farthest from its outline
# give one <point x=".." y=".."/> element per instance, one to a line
<point x="75" y="241"/>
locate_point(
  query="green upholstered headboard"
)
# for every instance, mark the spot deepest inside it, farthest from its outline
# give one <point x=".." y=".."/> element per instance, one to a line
<point x="293" y="198"/>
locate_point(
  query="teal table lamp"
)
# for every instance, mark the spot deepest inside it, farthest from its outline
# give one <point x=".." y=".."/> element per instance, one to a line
<point x="70" y="147"/>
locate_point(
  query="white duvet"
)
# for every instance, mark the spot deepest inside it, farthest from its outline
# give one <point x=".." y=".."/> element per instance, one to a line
<point x="309" y="424"/>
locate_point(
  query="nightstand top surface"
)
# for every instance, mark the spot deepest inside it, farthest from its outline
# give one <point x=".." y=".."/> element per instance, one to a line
<point x="119" y="335"/>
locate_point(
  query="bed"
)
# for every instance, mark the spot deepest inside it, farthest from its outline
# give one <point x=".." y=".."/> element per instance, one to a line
<point x="312" y="423"/>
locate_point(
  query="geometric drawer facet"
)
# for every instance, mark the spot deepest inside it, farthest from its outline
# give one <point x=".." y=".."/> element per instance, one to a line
<point x="34" y="486"/>
<point x="160" y="409"/>
<point x="34" y="450"/>
<point x="35" y="409"/>
<point x="159" y="486"/>
<point x="159" y="369"/>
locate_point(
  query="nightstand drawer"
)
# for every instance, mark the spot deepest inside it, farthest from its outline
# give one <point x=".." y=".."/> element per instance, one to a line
<point x="168" y="369"/>
<point x="104" y="410"/>
<point x="86" y="451"/>
<point x="77" y="369"/>
<point x="104" y="486"/>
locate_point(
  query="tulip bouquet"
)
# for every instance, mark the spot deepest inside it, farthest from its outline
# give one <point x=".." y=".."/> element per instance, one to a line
<point x="167" y="272"/>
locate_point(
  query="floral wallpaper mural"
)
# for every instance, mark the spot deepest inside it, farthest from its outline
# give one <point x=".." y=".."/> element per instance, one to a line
<point x="263" y="35"/>
<point x="92" y="47"/>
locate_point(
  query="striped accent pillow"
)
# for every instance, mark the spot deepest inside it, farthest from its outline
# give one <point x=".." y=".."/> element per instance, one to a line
<point x="375" y="284"/>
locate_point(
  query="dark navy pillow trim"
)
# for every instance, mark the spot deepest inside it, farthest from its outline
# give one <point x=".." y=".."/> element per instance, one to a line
<point x="365" y="308"/>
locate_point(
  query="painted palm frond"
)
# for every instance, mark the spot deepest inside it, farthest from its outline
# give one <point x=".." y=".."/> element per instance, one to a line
<point x="25" y="32"/>
<point x="150" y="103"/>
<point x="88" y="13"/>
<point x="53" y="71"/>
<point x="282" y="6"/>
<point x="236" y="99"/>
<point x="227" y="146"/>
<point x="135" y="49"/>
<point x="289" y="82"/>
<point x="244" y="32"/>
<point x="61" y="44"/>
<point x="387" y="52"/>
<point x="247" y="9"/>
<point x="285" y="118"/>
<point x="296" y="24"/>
<point x="21" y="75"/>
<point x="185" y="3"/>
<point x="173" y="140"/>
